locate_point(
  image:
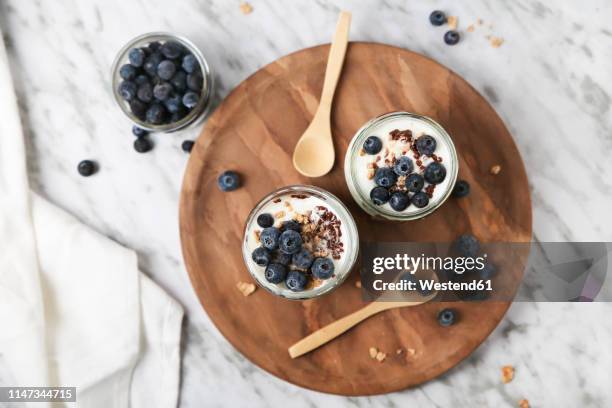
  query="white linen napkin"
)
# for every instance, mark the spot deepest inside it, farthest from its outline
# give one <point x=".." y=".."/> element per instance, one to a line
<point x="75" y="310"/>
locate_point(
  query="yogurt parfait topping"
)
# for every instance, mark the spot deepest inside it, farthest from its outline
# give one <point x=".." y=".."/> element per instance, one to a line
<point x="296" y="242"/>
<point x="404" y="165"/>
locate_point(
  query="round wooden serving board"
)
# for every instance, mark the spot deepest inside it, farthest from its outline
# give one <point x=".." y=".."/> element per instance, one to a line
<point x="254" y="132"/>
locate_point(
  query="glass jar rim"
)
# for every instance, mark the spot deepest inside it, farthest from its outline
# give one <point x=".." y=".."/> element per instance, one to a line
<point x="200" y="109"/>
<point x="364" y="201"/>
<point x="352" y="249"/>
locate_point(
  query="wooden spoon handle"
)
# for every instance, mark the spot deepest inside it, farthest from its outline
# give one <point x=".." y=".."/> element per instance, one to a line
<point x="332" y="330"/>
<point x="335" y="60"/>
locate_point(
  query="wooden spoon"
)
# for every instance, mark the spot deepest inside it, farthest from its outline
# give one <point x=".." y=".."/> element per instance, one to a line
<point x="314" y="153"/>
<point x="333" y="330"/>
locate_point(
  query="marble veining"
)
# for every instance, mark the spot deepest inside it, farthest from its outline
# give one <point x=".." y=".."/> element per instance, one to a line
<point x="549" y="81"/>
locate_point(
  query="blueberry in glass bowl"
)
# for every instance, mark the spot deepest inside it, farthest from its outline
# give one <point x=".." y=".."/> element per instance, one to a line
<point x="162" y="82"/>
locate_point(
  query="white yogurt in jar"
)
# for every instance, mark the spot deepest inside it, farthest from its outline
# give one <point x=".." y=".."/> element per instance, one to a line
<point x="360" y="166"/>
<point x="321" y="215"/>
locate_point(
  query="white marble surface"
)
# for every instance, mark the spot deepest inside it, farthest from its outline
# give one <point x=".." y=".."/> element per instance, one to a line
<point x="550" y="81"/>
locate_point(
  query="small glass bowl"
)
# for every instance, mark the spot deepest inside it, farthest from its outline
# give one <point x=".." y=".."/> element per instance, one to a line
<point x="198" y="112"/>
<point x="350" y="239"/>
<point x="363" y="198"/>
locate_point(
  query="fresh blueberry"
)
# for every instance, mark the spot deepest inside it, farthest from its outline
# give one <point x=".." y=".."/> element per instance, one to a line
<point x="451" y="37"/>
<point x="190" y="99"/>
<point x="166" y="69"/>
<point x="290" y="242"/>
<point x="446" y="317"/>
<point x="379" y="195"/>
<point x="372" y="145"/>
<point x="467" y="245"/>
<point x="187" y="145"/>
<point x="281" y="258"/>
<point x="302" y="259"/>
<point x="156" y="113"/>
<point x="171" y="49"/>
<point x="461" y="189"/>
<point x="414" y="182"/>
<point x="127" y="90"/>
<point x="142" y="145"/>
<point x="291" y="225"/>
<point x="173" y="103"/>
<point x="141" y="79"/>
<point x="426" y="145"/>
<point x="229" y="181"/>
<point x="488" y="271"/>
<point x="136" y="57"/>
<point x="179" y="81"/>
<point x="434" y="173"/>
<point x="403" y="166"/>
<point x="139" y="132"/>
<point x="86" y="168"/>
<point x="270" y="238"/>
<point x="322" y="268"/>
<point x="194" y="81"/>
<point x="154" y="46"/>
<point x="261" y="256"/>
<point x="162" y="91"/>
<point x="190" y="63"/>
<point x="275" y="273"/>
<point x="265" y="220"/>
<point x="127" y="72"/>
<point x="151" y="63"/>
<point x="296" y="281"/>
<point x="138" y="108"/>
<point x="437" y="18"/>
<point x="385" y="177"/>
<point x="145" y="92"/>
<point x="399" y="201"/>
<point x="180" y="114"/>
<point x="420" y="199"/>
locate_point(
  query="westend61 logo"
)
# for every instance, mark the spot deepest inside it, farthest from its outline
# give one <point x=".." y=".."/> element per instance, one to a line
<point x="411" y="264"/>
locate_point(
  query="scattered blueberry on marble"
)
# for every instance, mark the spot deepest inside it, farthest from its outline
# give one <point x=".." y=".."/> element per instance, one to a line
<point x="270" y="237"/>
<point x="451" y="37"/>
<point x="291" y="225"/>
<point x="420" y="199"/>
<point x="467" y="245"/>
<point x="488" y="271"/>
<point x="143" y="145"/>
<point x="426" y="145"/>
<point x="415" y="183"/>
<point x="461" y="189"/>
<point x="372" y="145"/>
<point x="322" y="268"/>
<point x="403" y="166"/>
<point x="87" y="168"/>
<point x="379" y="195"/>
<point x="302" y="259"/>
<point x="265" y="220"/>
<point x="139" y="132"/>
<point x="228" y="181"/>
<point x="399" y="201"/>
<point x="296" y="281"/>
<point x="187" y="145"/>
<point x="261" y="256"/>
<point x="385" y="177"/>
<point x="435" y="173"/>
<point x="446" y="317"/>
<point x="437" y="18"/>
<point x="290" y="242"/>
<point x="275" y="273"/>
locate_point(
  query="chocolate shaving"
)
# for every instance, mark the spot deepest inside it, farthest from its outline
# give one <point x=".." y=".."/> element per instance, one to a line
<point x="401" y="135"/>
